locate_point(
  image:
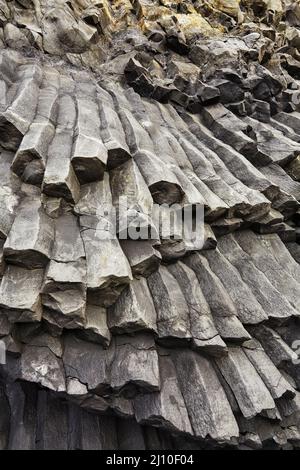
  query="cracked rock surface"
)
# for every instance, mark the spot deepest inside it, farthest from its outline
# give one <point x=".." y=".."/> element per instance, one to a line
<point x="166" y="342"/>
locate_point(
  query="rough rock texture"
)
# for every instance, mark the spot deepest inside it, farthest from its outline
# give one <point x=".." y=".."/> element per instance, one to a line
<point x="114" y="339"/>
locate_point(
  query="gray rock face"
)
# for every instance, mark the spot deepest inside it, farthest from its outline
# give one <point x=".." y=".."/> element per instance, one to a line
<point x="134" y="309"/>
<point x="171" y="307"/>
<point x="249" y="390"/>
<point x="158" y="408"/>
<point x="186" y="339"/>
<point x="40" y="365"/>
<point x="209" y="406"/>
<point x="30" y="238"/>
<point x="20" y="293"/>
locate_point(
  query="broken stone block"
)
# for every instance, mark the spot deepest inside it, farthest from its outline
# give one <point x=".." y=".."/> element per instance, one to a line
<point x="143" y="258"/>
<point x="86" y="362"/>
<point x="65" y="308"/>
<point x="16" y="119"/>
<point x="248" y="308"/>
<point x="40" y="365"/>
<point x="60" y="179"/>
<point x="135" y="365"/>
<point x="68" y="244"/>
<point x="65" y="275"/>
<point x="222" y="307"/>
<point x="205" y="336"/>
<point x="158" y="408"/>
<point x="173" y="323"/>
<point x="20" y="294"/>
<point x="9" y="197"/>
<point x="249" y="390"/>
<point x="133" y="201"/>
<point x="112" y="132"/>
<point x="95" y="327"/>
<point x="89" y="155"/>
<point x="274" y="305"/>
<point x="276" y="348"/>
<point x="273" y="379"/>
<point x="208" y="408"/>
<point x="30" y="239"/>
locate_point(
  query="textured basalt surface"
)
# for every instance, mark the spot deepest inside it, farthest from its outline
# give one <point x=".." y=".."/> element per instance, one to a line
<point x="161" y="343"/>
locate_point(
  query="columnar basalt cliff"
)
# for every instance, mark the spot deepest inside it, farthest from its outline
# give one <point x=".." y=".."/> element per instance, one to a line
<point x="160" y="343"/>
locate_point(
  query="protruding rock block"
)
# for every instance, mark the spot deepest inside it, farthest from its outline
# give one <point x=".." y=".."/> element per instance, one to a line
<point x="40" y="365"/>
<point x="68" y="244"/>
<point x="248" y="308"/>
<point x="274" y="304"/>
<point x="222" y="307"/>
<point x="65" y="308"/>
<point x="173" y="323"/>
<point x="89" y="155"/>
<point x="112" y="132"/>
<point x="143" y="258"/>
<point x="9" y="197"/>
<point x="166" y="407"/>
<point x="16" y="119"/>
<point x="108" y="270"/>
<point x="273" y="379"/>
<point x="135" y="365"/>
<point x="86" y="362"/>
<point x="60" y="179"/>
<point x="252" y="395"/>
<point x="205" y="336"/>
<point x="30" y="239"/>
<point x="207" y="405"/>
<point x="133" y="202"/>
<point x="95" y="327"/>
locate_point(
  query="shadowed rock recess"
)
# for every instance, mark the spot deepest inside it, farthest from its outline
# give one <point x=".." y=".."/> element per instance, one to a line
<point x="159" y="343"/>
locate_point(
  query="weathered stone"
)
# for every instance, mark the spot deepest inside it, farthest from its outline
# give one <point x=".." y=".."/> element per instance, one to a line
<point x="65" y="308"/>
<point x="135" y="364"/>
<point x="112" y="131"/>
<point x="89" y="155"/>
<point x="274" y="305"/>
<point x="134" y="309"/>
<point x="40" y="365"/>
<point x="132" y="200"/>
<point x="222" y="307"/>
<point x="86" y="362"/>
<point x="173" y="322"/>
<point x="204" y="333"/>
<point x="30" y="238"/>
<point x="249" y="390"/>
<point x="16" y="119"/>
<point x="273" y="344"/>
<point x="108" y="270"/>
<point x="264" y="261"/>
<point x="19" y="293"/>
<point x="158" y="408"/>
<point x="68" y="245"/>
<point x="206" y="402"/>
<point x="60" y="179"/>
<point x="143" y="258"/>
<point x="293" y="168"/>
<point x="95" y="327"/>
<point x="275" y="382"/>
<point x="248" y="308"/>
<point x="8" y="194"/>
